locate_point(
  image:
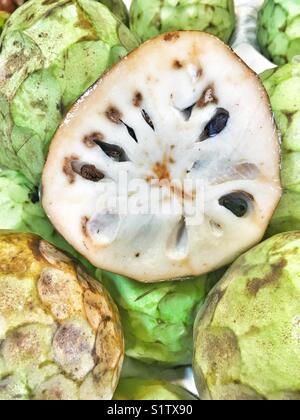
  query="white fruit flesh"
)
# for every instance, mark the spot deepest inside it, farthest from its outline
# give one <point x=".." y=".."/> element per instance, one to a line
<point x="155" y="105"/>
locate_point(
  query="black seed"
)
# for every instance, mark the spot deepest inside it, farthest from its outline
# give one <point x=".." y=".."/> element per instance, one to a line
<point x="91" y="173"/>
<point x="187" y="112"/>
<point x="34" y="196"/>
<point x="216" y="125"/>
<point x="148" y="119"/>
<point x="131" y="132"/>
<point x="237" y="202"/>
<point x="113" y="151"/>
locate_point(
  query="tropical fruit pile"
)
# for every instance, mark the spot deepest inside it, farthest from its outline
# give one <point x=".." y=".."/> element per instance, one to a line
<point x="149" y="201"/>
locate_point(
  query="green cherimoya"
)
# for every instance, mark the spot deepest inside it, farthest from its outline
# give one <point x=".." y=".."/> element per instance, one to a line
<point x="150" y="18"/>
<point x="283" y="86"/>
<point x="60" y="332"/>
<point x="51" y="52"/>
<point x="247" y="334"/>
<point x="157" y="318"/>
<point x="134" y="389"/>
<point x="118" y="7"/>
<point x="278" y="30"/>
<point x="21" y="211"/>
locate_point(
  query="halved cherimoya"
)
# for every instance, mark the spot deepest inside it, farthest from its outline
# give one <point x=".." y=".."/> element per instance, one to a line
<point x="182" y="121"/>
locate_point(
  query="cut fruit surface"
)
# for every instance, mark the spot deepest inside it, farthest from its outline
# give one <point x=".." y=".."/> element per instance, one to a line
<point x="168" y="166"/>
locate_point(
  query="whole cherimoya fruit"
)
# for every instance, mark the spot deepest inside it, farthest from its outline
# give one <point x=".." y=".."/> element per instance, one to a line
<point x="158" y="320"/>
<point x="247" y="335"/>
<point x="283" y="87"/>
<point x="51" y="52"/>
<point x="149" y="18"/>
<point x="278" y="30"/>
<point x="59" y="329"/>
<point x="169" y="166"/>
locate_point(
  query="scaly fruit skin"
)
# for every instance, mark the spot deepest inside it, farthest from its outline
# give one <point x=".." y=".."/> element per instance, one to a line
<point x="247" y="334"/>
<point x="60" y="332"/>
<point x="283" y="86"/>
<point x="137" y="389"/>
<point x="119" y="8"/>
<point x="3" y="18"/>
<point x="278" y="30"/>
<point x="21" y="211"/>
<point x="157" y="318"/>
<point x="51" y="52"/>
<point x="149" y="18"/>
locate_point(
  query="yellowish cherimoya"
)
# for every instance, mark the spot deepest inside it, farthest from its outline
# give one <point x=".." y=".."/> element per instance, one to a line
<point x="60" y="332"/>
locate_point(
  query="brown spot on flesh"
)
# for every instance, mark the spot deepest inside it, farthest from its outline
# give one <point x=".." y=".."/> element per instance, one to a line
<point x="68" y="169"/>
<point x="171" y="36"/>
<point x="137" y="99"/>
<point x="84" y="222"/>
<point x="91" y="173"/>
<point x="177" y="190"/>
<point x="199" y="72"/>
<point x="114" y="115"/>
<point x="208" y="97"/>
<point x="177" y="65"/>
<point x="255" y="285"/>
<point x="161" y="171"/>
<point x="91" y="139"/>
